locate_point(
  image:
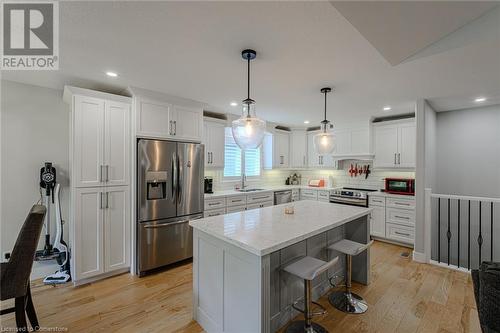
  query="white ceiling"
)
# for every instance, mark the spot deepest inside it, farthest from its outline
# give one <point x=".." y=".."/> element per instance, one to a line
<point x="192" y="50"/>
<point x="399" y="29"/>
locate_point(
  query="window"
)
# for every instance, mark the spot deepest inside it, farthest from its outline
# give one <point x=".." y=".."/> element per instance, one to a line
<point x="235" y="162"/>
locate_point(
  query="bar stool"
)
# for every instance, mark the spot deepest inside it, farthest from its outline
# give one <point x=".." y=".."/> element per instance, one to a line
<point x="307" y="269"/>
<point x="346" y="300"/>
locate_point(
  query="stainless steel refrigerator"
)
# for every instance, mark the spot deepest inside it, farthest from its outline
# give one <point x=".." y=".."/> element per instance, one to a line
<point x="169" y="194"/>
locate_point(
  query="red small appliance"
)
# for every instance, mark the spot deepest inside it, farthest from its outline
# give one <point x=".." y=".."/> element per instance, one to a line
<point x="405" y="186"/>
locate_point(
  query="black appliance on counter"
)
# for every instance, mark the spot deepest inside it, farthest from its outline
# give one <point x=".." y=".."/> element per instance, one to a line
<point x="209" y="185"/>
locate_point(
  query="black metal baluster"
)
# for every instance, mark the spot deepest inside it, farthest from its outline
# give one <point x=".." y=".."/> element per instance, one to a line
<point x="468" y="237"/>
<point x="458" y="250"/>
<point x="480" y="237"/>
<point x="439" y="229"/>
<point x="491" y="231"/>
<point x="448" y="232"/>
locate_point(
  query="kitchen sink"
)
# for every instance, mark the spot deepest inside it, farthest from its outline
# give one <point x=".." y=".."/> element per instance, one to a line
<point x="250" y="190"/>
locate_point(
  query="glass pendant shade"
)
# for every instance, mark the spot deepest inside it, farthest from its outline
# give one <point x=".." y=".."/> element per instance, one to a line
<point x="324" y="142"/>
<point x="248" y="130"/>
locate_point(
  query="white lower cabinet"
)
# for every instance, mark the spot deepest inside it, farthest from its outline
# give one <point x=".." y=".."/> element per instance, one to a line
<point x="260" y="205"/>
<point x="101" y="231"/>
<point x="214" y="212"/>
<point x="324" y="195"/>
<point x="235" y="209"/>
<point x="295" y="195"/>
<point x="308" y="194"/>
<point x="393" y="218"/>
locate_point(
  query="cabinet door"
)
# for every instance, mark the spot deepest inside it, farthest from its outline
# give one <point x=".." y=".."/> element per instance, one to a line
<point x="407" y="146"/>
<point x="298" y="149"/>
<point x="342" y="142"/>
<point x="88" y="143"/>
<point x="117" y="228"/>
<point x="88" y="244"/>
<point x="281" y="149"/>
<point x="386" y="146"/>
<point x="217" y="141"/>
<point x="153" y="119"/>
<point x="377" y="225"/>
<point x="117" y="143"/>
<point x="187" y="123"/>
<point x="313" y="158"/>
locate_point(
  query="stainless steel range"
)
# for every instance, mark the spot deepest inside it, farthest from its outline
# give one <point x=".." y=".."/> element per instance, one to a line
<point x="351" y="196"/>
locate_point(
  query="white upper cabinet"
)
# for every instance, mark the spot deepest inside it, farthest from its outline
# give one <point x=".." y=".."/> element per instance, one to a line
<point x="101" y="142"/>
<point x="281" y="155"/>
<point x="166" y="117"/>
<point x="352" y="142"/>
<point x="318" y="161"/>
<point x="214" y="140"/>
<point x="298" y="149"/>
<point x="395" y="144"/>
<point x="88" y="137"/>
<point x="187" y="123"/>
<point x="117" y="143"/>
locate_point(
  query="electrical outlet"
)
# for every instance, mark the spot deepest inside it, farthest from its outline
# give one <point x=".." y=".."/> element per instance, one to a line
<point x="6" y="255"/>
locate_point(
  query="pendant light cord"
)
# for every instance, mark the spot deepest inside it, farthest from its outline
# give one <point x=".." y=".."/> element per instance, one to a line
<point x="248" y="77"/>
<point x="325" y="104"/>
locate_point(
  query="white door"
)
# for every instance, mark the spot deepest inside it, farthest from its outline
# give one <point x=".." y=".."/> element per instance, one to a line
<point x="153" y="119"/>
<point x="298" y="151"/>
<point x="386" y="146"/>
<point x="187" y="123"/>
<point x="88" y="235"/>
<point x="407" y="146"/>
<point x="378" y="221"/>
<point x="117" y="143"/>
<point x="116" y="228"/>
<point x="88" y="141"/>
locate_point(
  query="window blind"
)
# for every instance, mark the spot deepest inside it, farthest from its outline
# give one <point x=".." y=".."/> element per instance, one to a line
<point x="234" y="161"/>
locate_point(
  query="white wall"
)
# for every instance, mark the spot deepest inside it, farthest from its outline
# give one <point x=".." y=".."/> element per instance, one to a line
<point x="34" y="129"/>
<point x="468" y="152"/>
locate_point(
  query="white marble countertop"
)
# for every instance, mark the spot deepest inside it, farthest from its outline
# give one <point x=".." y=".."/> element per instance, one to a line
<point x="225" y="193"/>
<point x="263" y="231"/>
<point x="390" y="195"/>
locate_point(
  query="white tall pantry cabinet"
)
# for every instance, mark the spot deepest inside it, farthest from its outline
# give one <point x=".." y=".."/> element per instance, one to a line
<point x="100" y="139"/>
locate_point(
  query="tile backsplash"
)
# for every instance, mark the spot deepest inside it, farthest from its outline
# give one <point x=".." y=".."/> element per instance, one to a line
<point x="340" y="177"/>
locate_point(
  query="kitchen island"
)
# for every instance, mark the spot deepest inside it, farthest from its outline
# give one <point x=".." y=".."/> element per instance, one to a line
<point x="238" y="284"/>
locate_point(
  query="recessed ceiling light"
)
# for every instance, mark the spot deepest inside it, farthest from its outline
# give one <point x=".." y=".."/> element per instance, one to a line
<point x="111" y="74"/>
<point x="306" y="121"/>
<point x="387" y="108"/>
<point x="234" y="104"/>
<point x="480" y="99"/>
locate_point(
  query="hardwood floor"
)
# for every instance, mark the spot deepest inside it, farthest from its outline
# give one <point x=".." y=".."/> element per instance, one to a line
<point x="404" y="296"/>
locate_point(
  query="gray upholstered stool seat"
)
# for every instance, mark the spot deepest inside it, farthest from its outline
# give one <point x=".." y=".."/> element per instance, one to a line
<point x="308" y="268"/>
<point x="348" y="301"/>
<point x="349" y="247"/>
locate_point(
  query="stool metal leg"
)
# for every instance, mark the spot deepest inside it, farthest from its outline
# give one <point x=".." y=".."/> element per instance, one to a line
<point x="306" y="325"/>
<point x="346" y="301"/>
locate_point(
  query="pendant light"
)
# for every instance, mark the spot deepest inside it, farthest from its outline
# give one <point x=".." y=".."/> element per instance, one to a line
<point x="324" y="142"/>
<point x="248" y="130"/>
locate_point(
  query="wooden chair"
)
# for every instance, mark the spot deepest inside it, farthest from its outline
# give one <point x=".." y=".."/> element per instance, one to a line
<point x="15" y="274"/>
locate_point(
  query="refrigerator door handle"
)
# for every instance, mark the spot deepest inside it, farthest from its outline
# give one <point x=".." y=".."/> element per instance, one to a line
<point x="174" y="176"/>
<point x="179" y="180"/>
<point x="164" y="225"/>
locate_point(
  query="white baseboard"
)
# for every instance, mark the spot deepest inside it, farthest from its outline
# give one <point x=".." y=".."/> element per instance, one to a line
<point x="419" y="257"/>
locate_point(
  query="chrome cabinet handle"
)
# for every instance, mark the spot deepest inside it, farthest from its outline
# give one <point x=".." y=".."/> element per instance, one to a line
<point x="401" y="233"/>
<point x="395" y="160"/>
<point x="170" y="128"/>
<point x="175" y="127"/>
<point x="211" y="158"/>
<point x="402" y="217"/>
<point x="399" y="158"/>
<point x="101" y="194"/>
<point x="401" y="204"/>
<point x="107" y="173"/>
<point x="107" y="200"/>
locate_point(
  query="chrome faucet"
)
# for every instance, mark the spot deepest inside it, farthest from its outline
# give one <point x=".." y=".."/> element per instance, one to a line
<point x="243" y="181"/>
